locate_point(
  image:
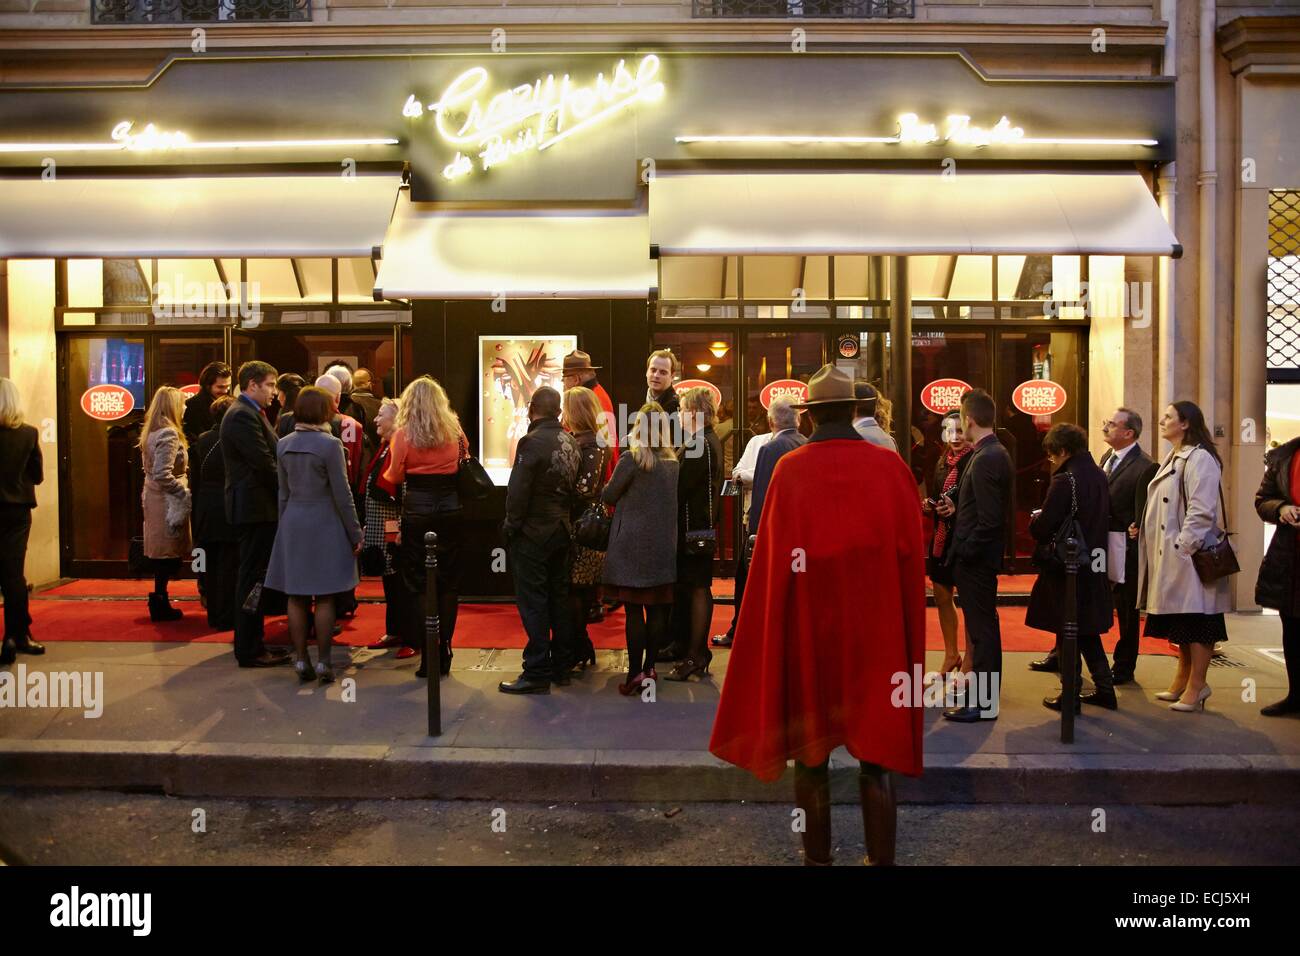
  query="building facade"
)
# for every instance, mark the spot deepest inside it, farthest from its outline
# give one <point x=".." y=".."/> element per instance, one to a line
<point x="1026" y="193"/>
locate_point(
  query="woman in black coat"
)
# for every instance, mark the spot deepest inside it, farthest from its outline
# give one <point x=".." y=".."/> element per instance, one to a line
<point x="1278" y="502"/>
<point x="21" y="470"/>
<point x="212" y="532"/>
<point x="1078" y="489"/>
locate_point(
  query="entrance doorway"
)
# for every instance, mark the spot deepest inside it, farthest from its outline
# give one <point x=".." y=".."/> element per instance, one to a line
<point x="100" y="470"/>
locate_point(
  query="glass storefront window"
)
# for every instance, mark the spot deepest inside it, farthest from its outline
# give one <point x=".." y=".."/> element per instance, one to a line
<point x="1038" y="355"/>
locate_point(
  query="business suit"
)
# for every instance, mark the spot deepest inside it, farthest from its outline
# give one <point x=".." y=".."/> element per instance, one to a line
<point x="252" y="507"/>
<point x="979" y="542"/>
<point x="782" y="443"/>
<point x="1128" y="497"/>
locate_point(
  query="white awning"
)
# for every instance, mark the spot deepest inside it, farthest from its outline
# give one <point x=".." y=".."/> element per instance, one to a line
<point x="906" y="213"/>
<point x="433" y="253"/>
<point x="262" y="217"/>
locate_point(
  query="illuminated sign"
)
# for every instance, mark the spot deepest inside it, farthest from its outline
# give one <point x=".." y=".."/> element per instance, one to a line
<point x="681" y="388"/>
<point x="1038" y="396"/>
<point x="153" y="139"/>
<point x="530" y="117"/>
<point x="789" y="388"/>
<point x="189" y="391"/>
<point x="956" y="130"/>
<point x="943" y="395"/>
<point x="108" y="402"/>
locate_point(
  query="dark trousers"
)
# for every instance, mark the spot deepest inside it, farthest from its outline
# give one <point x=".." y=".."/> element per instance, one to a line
<point x="222" y="575"/>
<point x="541" y="573"/>
<point x="1126" y="650"/>
<point x="15" y="528"/>
<point x="410" y="586"/>
<point x="742" y="575"/>
<point x="1290" y="652"/>
<point x="255" y="541"/>
<point x="1094" y="655"/>
<point x="977" y="589"/>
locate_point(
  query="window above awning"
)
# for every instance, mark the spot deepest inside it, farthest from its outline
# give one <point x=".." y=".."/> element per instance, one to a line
<point x="434" y="253"/>
<point x="906" y="213"/>
<point x="253" y="217"/>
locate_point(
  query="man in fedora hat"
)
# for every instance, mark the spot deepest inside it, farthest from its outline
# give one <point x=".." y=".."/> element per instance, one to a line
<point x="817" y="655"/>
<point x="578" y="371"/>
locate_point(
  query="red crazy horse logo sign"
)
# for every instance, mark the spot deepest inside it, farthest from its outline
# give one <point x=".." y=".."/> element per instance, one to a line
<point x="1039" y="397"/>
<point x="190" y="390"/>
<point x="107" y="402"/>
<point x="943" y="395"/>
<point x="682" y="388"/>
<point x="783" y="388"/>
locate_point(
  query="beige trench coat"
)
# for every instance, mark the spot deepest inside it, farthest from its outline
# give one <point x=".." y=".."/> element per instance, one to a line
<point x="1171" y="530"/>
<point x="166" y="496"/>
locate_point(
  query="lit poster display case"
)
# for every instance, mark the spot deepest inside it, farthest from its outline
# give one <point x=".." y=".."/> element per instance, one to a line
<point x="511" y="368"/>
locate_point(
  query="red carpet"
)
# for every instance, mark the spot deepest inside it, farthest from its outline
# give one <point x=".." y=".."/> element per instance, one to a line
<point x="478" y="625"/>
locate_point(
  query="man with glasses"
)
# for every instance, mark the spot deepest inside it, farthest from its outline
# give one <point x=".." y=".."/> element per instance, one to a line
<point x="1128" y="471"/>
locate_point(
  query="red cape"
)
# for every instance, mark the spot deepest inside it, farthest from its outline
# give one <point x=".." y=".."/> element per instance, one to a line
<point x="816" y="650"/>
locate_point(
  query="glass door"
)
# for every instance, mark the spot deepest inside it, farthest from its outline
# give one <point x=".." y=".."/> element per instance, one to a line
<point x="105" y="391"/>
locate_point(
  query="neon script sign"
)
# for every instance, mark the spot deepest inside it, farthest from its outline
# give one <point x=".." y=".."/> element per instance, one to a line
<point x="530" y="117"/>
<point x="959" y="130"/>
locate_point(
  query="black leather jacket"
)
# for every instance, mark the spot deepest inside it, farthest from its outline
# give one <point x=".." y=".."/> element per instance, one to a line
<point x="542" y="482"/>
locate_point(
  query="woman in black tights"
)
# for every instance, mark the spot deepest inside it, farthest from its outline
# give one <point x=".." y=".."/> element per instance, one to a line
<point x="698" y="484"/>
<point x="640" y="563"/>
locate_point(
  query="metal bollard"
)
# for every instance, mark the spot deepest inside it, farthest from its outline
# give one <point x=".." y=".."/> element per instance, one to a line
<point x="1068" y="655"/>
<point x="431" y="633"/>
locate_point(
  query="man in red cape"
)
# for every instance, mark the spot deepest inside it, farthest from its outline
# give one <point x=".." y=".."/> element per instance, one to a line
<point x="834" y="611"/>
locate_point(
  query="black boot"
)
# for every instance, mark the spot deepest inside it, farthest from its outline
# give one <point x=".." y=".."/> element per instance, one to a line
<point x="7" y="652"/>
<point x="160" y="608"/>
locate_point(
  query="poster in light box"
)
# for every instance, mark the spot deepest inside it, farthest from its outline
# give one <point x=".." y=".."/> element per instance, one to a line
<point x="511" y="368"/>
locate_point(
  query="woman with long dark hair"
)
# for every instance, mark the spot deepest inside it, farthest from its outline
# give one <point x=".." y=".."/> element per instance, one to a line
<point x="1183" y="515"/>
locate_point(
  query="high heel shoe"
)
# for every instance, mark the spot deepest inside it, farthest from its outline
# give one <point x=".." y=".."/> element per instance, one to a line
<point x="304" y="671"/>
<point x="324" y="673"/>
<point x="1171" y="694"/>
<point x="688" y="669"/>
<point x="1198" y="704"/>
<point x="586" y="657"/>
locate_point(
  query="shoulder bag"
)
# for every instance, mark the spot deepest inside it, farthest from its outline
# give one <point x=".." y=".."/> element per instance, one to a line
<point x="1213" y="561"/>
<point x="472" y="480"/>
<point x="702" y="543"/>
<point x="1050" y="555"/>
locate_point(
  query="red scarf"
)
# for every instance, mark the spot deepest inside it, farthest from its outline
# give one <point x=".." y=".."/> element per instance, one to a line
<point x="949" y="482"/>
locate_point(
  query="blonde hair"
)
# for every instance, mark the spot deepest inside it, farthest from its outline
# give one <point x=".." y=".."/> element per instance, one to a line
<point x="673" y="365"/>
<point x="165" y="411"/>
<point x="424" y="414"/>
<point x="650" y="437"/>
<point x="884" y="412"/>
<point x="583" y="413"/>
<point x="700" y="399"/>
<point x="11" y="404"/>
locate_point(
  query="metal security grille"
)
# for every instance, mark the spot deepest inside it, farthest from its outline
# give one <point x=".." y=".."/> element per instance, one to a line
<point x="1284" y="285"/>
<point x="197" y="11"/>
<point x="808" y="9"/>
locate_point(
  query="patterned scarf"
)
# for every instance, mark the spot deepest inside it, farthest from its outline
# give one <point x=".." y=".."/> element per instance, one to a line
<point x="951" y="460"/>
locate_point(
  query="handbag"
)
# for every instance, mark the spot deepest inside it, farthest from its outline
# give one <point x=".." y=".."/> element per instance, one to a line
<point x="472" y="480"/>
<point x="702" y="543"/>
<point x="1051" y="555"/>
<point x="1217" y="560"/>
<point x="591" y="530"/>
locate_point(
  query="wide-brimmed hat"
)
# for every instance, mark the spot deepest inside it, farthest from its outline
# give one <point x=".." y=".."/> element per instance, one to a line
<point x="578" y="361"/>
<point x="829" y="386"/>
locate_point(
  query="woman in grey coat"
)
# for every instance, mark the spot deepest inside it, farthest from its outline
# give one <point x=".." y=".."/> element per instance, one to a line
<point x="641" y="561"/>
<point x="319" y="537"/>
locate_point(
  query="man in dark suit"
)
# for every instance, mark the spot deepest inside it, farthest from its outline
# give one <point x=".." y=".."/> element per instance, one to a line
<point x="979" y="543"/>
<point x="1128" y="471"/>
<point x="784" y="419"/>
<point x="252" y="501"/>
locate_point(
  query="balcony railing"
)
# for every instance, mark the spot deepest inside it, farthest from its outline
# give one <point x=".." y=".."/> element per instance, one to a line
<point x="806" y="9"/>
<point x="197" y="11"/>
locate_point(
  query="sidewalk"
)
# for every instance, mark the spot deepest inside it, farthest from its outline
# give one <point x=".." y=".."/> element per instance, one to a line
<point x="182" y="719"/>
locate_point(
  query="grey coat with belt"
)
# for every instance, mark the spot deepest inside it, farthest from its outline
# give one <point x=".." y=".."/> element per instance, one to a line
<point x="642" y="549"/>
<point x="318" y="521"/>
